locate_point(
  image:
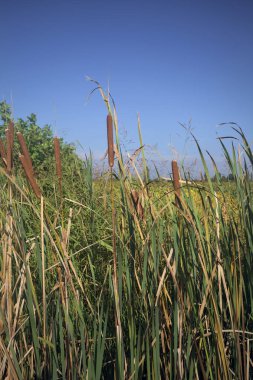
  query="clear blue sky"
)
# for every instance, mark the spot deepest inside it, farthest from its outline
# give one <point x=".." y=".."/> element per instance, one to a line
<point x="171" y="61"/>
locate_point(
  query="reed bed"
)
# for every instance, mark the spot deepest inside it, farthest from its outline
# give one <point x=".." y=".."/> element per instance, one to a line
<point x="118" y="285"/>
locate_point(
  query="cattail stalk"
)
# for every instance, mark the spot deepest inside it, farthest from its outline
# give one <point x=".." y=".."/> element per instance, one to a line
<point x="111" y="163"/>
<point x="43" y="273"/>
<point x="9" y="132"/>
<point x="115" y="275"/>
<point x="58" y="161"/>
<point x="110" y="140"/>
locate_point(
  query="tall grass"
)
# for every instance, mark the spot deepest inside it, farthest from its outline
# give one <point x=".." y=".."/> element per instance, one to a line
<point x="155" y="290"/>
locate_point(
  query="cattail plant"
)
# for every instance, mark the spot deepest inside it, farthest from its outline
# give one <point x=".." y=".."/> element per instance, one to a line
<point x="26" y="161"/>
<point x="6" y="307"/>
<point x="111" y="163"/>
<point x="118" y="326"/>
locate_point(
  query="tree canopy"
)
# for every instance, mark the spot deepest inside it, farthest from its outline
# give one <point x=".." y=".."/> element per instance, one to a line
<point x="39" y="140"/>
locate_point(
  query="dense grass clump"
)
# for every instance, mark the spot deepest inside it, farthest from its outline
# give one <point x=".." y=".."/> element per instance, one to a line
<point x="121" y="279"/>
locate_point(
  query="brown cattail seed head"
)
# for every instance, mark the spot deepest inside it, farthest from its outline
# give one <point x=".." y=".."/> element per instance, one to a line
<point x="24" y="149"/>
<point x="176" y="180"/>
<point x="30" y="176"/>
<point x="110" y="140"/>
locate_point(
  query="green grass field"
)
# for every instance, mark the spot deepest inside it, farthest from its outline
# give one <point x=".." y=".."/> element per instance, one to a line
<point x="117" y="278"/>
